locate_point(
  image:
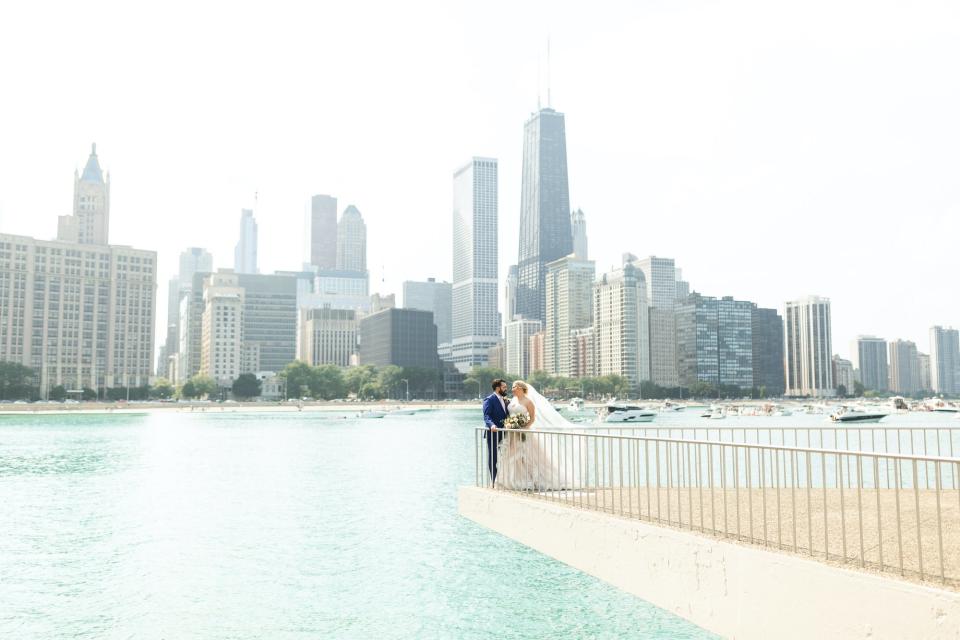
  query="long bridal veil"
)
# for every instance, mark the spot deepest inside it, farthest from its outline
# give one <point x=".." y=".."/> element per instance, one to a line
<point x="559" y="453"/>
<point x="548" y="418"/>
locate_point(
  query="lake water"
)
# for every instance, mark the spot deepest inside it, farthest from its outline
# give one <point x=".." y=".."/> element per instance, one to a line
<point x="273" y="525"/>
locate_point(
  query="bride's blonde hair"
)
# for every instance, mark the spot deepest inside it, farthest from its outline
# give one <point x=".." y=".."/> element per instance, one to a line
<point x="521" y="384"/>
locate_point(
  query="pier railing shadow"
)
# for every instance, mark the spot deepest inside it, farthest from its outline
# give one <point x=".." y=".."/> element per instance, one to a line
<point x="874" y="504"/>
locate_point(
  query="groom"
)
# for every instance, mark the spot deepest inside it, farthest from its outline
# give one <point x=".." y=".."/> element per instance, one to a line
<point x="494" y="413"/>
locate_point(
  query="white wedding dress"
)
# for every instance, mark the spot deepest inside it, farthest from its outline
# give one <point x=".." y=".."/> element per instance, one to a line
<point x="530" y="460"/>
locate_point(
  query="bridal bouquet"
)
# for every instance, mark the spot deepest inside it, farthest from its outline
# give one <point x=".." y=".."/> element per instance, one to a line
<point x="517" y="421"/>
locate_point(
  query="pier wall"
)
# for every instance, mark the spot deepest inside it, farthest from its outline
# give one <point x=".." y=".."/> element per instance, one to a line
<point x="736" y="591"/>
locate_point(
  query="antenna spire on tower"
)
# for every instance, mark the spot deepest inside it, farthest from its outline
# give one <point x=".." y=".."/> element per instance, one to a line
<point x="548" y="71"/>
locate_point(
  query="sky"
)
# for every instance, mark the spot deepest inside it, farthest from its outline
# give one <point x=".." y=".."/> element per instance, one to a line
<point x="774" y="150"/>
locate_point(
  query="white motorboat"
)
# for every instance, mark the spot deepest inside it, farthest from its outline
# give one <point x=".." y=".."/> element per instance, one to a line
<point x="575" y="405"/>
<point x="372" y="414"/>
<point x="714" y="413"/>
<point x="622" y="412"/>
<point x="846" y="414"/>
<point x="403" y="412"/>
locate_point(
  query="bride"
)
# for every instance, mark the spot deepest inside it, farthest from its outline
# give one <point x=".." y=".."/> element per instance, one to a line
<point x="529" y="459"/>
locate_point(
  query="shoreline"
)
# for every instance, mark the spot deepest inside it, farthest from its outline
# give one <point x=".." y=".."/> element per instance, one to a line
<point x="55" y="408"/>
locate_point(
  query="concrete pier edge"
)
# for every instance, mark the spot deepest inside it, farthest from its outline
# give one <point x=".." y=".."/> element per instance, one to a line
<point x="737" y="591"/>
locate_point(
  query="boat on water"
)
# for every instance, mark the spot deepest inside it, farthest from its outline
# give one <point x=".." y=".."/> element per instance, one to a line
<point x="372" y="414"/>
<point x="847" y="414"/>
<point x="715" y="413"/>
<point x="403" y="412"/>
<point x="623" y="412"/>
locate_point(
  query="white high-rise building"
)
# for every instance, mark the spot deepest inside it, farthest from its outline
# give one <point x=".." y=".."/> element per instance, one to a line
<point x="476" y="317"/>
<point x="661" y="281"/>
<point x="578" y="225"/>
<point x="193" y="260"/>
<point x="945" y="360"/>
<point x="904" y="367"/>
<point x="809" y="347"/>
<point x="322" y="232"/>
<point x="569" y="288"/>
<point x="510" y="294"/>
<point x="620" y="325"/>
<point x="870" y="359"/>
<point x="843" y="375"/>
<point x="90" y="222"/>
<point x="352" y="241"/>
<point x="517" y="345"/>
<point x="221" y="354"/>
<point x="245" y="253"/>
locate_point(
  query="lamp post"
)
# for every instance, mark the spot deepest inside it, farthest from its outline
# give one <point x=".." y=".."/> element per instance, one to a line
<point x="407" y="386"/>
<point x="478" y="388"/>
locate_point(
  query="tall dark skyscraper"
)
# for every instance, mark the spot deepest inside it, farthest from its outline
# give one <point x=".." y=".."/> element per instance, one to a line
<point x="545" y="233"/>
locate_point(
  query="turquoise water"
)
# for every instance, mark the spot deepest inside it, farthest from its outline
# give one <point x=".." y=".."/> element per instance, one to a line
<point x="277" y="525"/>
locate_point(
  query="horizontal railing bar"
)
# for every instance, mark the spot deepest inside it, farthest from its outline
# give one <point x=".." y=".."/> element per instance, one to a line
<point x="720" y="443"/>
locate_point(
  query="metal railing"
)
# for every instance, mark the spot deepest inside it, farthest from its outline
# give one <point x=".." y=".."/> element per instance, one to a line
<point x="890" y="512"/>
<point x="939" y="440"/>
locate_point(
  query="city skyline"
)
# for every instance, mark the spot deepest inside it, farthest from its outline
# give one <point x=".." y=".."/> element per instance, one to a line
<point x="676" y="198"/>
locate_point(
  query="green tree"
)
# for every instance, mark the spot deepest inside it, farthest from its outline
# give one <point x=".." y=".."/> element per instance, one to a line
<point x="162" y="389"/>
<point x="89" y="394"/>
<point x="188" y="391"/>
<point x="358" y="377"/>
<point x="204" y="385"/>
<point x="16" y="381"/>
<point x="327" y="382"/>
<point x="58" y="393"/>
<point x="247" y="385"/>
<point x="389" y="379"/>
<point x="857" y="388"/>
<point x="371" y="391"/>
<point x="479" y="379"/>
<point x="299" y="376"/>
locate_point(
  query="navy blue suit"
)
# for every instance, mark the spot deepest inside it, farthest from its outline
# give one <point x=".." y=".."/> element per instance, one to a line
<point x="494" y="413"/>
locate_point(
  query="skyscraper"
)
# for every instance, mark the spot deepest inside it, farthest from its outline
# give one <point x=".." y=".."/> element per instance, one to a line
<point x="923" y="371"/>
<point x="90" y="222"/>
<point x="809" y="347"/>
<point x="843" y="376"/>
<point x="517" y="345"/>
<point x="245" y="253"/>
<point x="269" y="319"/>
<point x="193" y="260"/>
<point x="715" y="341"/>
<point x="620" y="331"/>
<point x="944" y="360"/>
<point x="569" y="287"/>
<point x="476" y="317"/>
<point x="78" y="315"/>
<point x="870" y="358"/>
<point x="328" y="336"/>
<point x="222" y="328"/>
<point x="510" y="295"/>
<point x="545" y="233"/>
<point x="904" y="367"/>
<point x="578" y="223"/>
<point x="436" y="297"/>
<point x="768" y="351"/>
<point x="352" y="241"/>
<point x="661" y="279"/>
<point x="322" y="232"/>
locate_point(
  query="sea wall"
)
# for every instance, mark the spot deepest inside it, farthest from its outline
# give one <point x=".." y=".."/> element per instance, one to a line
<point x="736" y="591"/>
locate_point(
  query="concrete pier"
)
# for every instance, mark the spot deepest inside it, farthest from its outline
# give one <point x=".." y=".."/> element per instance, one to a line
<point x="735" y="590"/>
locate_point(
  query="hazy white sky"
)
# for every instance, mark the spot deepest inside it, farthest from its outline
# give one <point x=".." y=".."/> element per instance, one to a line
<point x="774" y="149"/>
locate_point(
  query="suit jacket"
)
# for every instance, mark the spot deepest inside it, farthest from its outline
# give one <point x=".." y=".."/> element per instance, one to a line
<point x="494" y="413"/>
